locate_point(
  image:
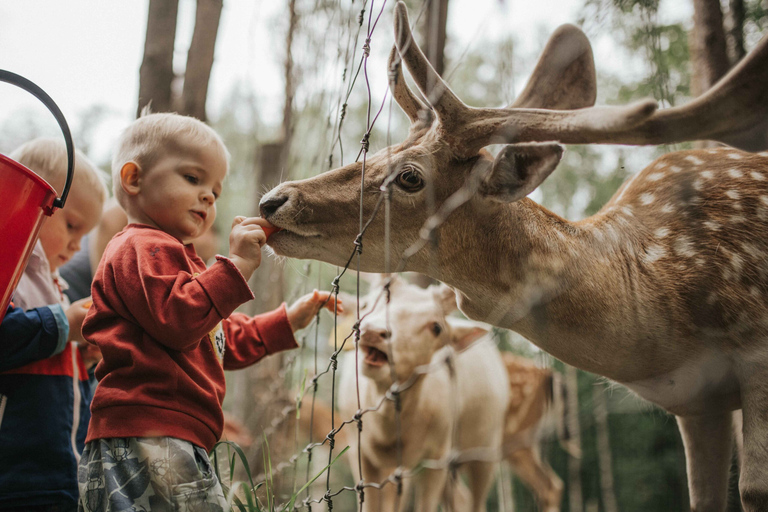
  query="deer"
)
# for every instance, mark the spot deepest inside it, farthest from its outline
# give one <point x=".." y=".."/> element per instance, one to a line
<point x="663" y="290"/>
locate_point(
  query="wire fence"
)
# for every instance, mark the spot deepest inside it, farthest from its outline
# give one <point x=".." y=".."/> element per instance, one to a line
<point x="453" y="459"/>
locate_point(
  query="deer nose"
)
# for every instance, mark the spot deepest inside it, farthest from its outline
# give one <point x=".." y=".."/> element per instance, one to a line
<point x="269" y="205"/>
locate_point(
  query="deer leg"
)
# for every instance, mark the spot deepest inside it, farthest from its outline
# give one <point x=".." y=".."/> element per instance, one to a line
<point x="429" y="489"/>
<point x="708" y="447"/>
<point x="753" y="482"/>
<point x="545" y="484"/>
<point x="480" y="476"/>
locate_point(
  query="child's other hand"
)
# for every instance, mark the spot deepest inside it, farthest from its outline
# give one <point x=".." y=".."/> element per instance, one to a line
<point x="301" y="312"/>
<point x="245" y="242"/>
<point x="90" y="352"/>
<point x="75" y="316"/>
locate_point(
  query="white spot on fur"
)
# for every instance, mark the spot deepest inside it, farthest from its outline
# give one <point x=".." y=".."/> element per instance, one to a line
<point x="764" y="199"/>
<point x="694" y="160"/>
<point x="656" y="176"/>
<point x="707" y="175"/>
<point x="684" y="247"/>
<point x="697" y="184"/>
<point x="654" y="252"/>
<point x="737" y="262"/>
<point x="763" y="153"/>
<point x="675" y="169"/>
<point x="738" y="218"/>
<point x="757" y="176"/>
<point x="667" y="208"/>
<point x="754" y="291"/>
<point x="627" y="210"/>
<point x="647" y="198"/>
<point x="752" y="251"/>
<point x="661" y="232"/>
<point x="735" y="173"/>
<point x="700" y="262"/>
<point x="711" y="225"/>
<point x="733" y="194"/>
<point x="734" y="156"/>
<point x="712" y="298"/>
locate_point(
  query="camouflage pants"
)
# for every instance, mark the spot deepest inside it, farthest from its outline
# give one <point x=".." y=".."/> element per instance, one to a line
<point x="141" y="474"/>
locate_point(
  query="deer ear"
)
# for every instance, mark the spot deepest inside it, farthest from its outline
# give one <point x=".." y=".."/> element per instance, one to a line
<point x="465" y="332"/>
<point x="518" y="169"/>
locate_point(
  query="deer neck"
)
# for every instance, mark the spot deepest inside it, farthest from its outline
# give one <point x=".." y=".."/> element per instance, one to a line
<point x="573" y="289"/>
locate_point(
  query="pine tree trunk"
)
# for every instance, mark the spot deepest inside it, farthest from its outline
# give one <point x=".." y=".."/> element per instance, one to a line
<point x="735" y="35"/>
<point x="575" y="496"/>
<point x="156" y="72"/>
<point x="600" y="411"/>
<point x="709" y="53"/>
<point x="200" y="58"/>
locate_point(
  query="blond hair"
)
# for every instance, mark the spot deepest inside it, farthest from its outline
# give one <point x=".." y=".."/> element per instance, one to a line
<point x="153" y="135"/>
<point x="48" y="159"/>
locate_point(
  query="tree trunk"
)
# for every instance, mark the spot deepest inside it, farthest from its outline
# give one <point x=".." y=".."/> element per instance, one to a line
<point x="600" y="410"/>
<point x="575" y="496"/>
<point x="435" y="28"/>
<point x="708" y="53"/>
<point x="156" y="72"/>
<point x="735" y="35"/>
<point x="200" y="58"/>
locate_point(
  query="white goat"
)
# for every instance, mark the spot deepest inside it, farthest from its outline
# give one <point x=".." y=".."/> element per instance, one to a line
<point x="417" y="334"/>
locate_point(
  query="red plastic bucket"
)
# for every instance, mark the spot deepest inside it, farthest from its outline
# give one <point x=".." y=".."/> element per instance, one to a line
<point x="25" y="197"/>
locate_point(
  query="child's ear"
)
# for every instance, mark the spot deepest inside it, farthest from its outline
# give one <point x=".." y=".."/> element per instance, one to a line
<point x="129" y="178"/>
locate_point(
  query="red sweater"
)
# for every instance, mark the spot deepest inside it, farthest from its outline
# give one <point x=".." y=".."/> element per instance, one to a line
<point x="162" y="321"/>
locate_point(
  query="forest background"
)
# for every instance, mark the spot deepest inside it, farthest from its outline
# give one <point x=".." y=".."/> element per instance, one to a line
<point x="273" y="79"/>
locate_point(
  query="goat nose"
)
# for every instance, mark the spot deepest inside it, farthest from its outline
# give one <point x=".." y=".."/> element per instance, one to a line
<point x="269" y="205"/>
<point x="373" y="335"/>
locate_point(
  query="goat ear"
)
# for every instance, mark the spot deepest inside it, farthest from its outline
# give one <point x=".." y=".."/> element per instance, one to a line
<point x="465" y="332"/>
<point x="446" y="297"/>
<point x="518" y="169"/>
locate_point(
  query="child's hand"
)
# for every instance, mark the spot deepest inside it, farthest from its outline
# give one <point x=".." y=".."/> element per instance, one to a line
<point x="75" y="316"/>
<point x="245" y="242"/>
<point x="301" y="312"/>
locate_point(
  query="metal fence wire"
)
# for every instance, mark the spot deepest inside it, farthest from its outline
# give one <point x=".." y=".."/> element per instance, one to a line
<point x="453" y="459"/>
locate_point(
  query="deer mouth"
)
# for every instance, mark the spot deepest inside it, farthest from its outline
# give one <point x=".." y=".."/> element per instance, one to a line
<point x="374" y="356"/>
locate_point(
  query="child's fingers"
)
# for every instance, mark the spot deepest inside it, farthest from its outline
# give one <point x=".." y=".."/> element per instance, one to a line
<point x="237" y="220"/>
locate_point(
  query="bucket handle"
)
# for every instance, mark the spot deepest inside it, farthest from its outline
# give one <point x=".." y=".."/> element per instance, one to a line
<point x="30" y="87"/>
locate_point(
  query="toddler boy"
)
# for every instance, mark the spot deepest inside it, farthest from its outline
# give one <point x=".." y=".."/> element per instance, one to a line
<point x="165" y="324"/>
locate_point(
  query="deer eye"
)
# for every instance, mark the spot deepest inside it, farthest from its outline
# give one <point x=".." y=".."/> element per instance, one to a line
<point x="410" y="179"/>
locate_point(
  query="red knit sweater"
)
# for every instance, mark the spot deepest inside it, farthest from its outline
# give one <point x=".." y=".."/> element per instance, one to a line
<point x="162" y="321"/>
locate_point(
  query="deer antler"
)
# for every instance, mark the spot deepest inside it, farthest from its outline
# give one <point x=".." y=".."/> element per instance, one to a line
<point x="735" y="111"/>
<point x="404" y="97"/>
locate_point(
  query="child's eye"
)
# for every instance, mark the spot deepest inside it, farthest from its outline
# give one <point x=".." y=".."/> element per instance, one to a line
<point x="191" y="178"/>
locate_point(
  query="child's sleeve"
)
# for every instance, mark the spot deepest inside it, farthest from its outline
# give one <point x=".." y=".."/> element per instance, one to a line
<point x="171" y="304"/>
<point x="33" y="335"/>
<point x="249" y="339"/>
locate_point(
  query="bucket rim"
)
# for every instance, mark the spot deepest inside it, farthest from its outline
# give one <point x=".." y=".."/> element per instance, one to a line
<point x="31" y="174"/>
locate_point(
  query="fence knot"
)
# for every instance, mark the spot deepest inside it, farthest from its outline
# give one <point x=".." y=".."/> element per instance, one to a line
<point x="360" y="488"/>
<point x="365" y="142"/>
<point x="359" y="243"/>
<point x="359" y="419"/>
<point x="361" y="18"/>
<point x="398" y="477"/>
<point x="328" y="499"/>
<point x="331" y="437"/>
<point x="334" y="361"/>
<point x="367" y="47"/>
<point x="343" y="112"/>
<point x="335" y="284"/>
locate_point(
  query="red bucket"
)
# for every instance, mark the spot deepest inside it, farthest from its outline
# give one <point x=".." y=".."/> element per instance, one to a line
<point x="25" y="197"/>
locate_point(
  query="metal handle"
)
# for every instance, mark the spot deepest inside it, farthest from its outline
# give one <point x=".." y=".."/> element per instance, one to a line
<point x="30" y="87"/>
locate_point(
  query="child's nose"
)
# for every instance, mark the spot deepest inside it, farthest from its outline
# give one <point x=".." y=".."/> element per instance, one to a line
<point x="208" y="197"/>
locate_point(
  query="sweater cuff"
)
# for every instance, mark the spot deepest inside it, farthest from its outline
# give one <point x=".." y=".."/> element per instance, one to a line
<point x="225" y="285"/>
<point x="59" y="318"/>
<point x="277" y="325"/>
